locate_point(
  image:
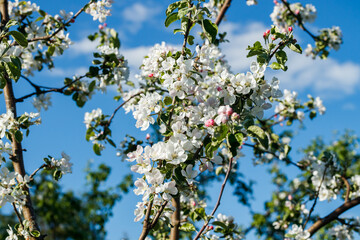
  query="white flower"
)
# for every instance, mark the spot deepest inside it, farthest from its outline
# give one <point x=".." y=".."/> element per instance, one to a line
<point x="12" y="235"/>
<point x="189" y="174"/>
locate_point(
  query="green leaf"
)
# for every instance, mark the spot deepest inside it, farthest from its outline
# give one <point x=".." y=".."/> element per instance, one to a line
<point x="312" y="114"/>
<point x="11" y="23"/>
<point x="178" y="30"/>
<point x="172" y="7"/>
<point x="96" y="148"/>
<point x="295" y="47"/>
<point x="171" y="18"/>
<point x="111" y="142"/>
<point x="257" y="132"/>
<point x="210" y="29"/>
<point x="18" y="136"/>
<point x="35" y="233"/>
<point x="239" y="137"/>
<point x="57" y="175"/>
<point x="190" y="40"/>
<point x="275" y="66"/>
<point x="19" y="38"/>
<point x="12" y="70"/>
<point x="2" y="81"/>
<point x="281" y="57"/>
<point x="220" y="224"/>
<point x="187" y="227"/>
<point x="233" y="144"/>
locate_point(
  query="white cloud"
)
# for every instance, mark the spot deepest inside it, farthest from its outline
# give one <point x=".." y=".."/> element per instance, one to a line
<point x="84" y="46"/>
<point x="327" y="78"/>
<point x="68" y="72"/>
<point x="137" y="14"/>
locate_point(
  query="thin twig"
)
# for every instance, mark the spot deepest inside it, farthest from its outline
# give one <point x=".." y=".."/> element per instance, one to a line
<point x="158" y="214"/>
<point x="218" y="201"/>
<point x="316" y="198"/>
<point x="186" y="35"/>
<point x="347" y="188"/>
<point x="34" y="173"/>
<point x="47" y="37"/>
<point x="59" y="90"/>
<point x="18" y="215"/>
<point x="120" y="106"/>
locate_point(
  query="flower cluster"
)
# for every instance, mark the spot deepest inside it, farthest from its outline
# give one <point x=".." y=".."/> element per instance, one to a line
<point x="99" y="9"/>
<point x="63" y="165"/>
<point x="298" y="233"/>
<point x="282" y="17"/>
<point x="42" y="101"/>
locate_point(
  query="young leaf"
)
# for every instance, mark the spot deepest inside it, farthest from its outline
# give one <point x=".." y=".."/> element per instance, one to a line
<point x="210" y="29"/>
<point x="171" y="18"/>
<point x="19" y="38"/>
<point x="257" y="132"/>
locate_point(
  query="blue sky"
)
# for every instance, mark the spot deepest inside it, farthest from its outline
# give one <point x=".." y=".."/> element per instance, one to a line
<point x="140" y="25"/>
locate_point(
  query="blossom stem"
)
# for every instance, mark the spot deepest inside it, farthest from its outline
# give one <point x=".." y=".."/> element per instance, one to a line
<point x="217" y="203"/>
<point x="347" y="188"/>
<point x="18" y="215"/>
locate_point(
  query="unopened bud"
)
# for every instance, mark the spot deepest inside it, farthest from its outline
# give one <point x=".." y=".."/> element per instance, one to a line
<point x="147" y="136"/>
<point x="72" y="20"/>
<point x="151" y="75"/>
<point x="290" y="29"/>
<point x="209" y="123"/>
<point x="101" y="27"/>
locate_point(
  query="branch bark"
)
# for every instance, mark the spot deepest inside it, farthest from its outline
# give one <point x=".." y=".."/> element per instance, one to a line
<point x="17" y="156"/>
<point x="333" y="215"/>
<point x="175" y="219"/>
<point x="222" y="12"/>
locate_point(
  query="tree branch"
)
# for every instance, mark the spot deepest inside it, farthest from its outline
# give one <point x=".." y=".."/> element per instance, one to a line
<point x="223" y="10"/>
<point x="175" y="218"/>
<point x="333" y="215"/>
<point x="217" y="203"/>
<point x="347" y="188"/>
<point x="147" y="224"/>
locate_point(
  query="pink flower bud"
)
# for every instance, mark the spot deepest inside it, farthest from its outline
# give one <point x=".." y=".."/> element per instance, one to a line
<point x="281" y="124"/>
<point x="72" y="20"/>
<point x="297" y="12"/>
<point x="151" y="75"/>
<point x="290" y="197"/>
<point x="268" y="31"/>
<point x="219" y="89"/>
<point x="273" y="38"/>
<point x="193" y="203"/>
<point x="209" y="123"/>
<point x="101" y="27"/>
<point x="147" y="136"/>
<point x="290" y="29"/>
<point x="276" y="2"/>
<point x="229" y="111"/>
<point x="275" y="116"/>
<point x="105" y="25"/>
<point x="210" y="227"/>
<point x="264" y="35"/>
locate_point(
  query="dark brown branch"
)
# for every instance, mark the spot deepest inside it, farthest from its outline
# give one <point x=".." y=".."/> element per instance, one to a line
<point x="59" y="90"/>
<point x="222" y="12"/>
<point x="333" y="215"/>
<point x="217" y="203"/>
